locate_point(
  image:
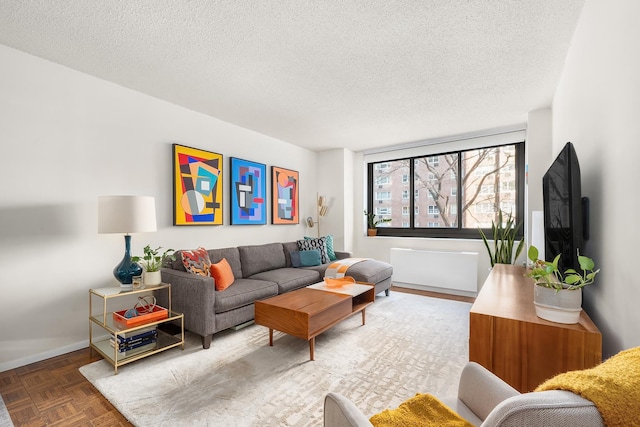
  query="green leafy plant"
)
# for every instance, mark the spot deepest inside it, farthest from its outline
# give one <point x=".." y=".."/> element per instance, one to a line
<point x="504" y="236"/>
<point x="153" y="260"/>
<point x="546" y="273"/>
<point x="372" y="222"/>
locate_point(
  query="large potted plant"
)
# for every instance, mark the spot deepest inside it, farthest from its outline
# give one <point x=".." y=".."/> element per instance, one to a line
<point x="504" y="235"/>
<point x="557" y="295"/>
<point x="152" y="261"/>
<point x="373" y="222"/>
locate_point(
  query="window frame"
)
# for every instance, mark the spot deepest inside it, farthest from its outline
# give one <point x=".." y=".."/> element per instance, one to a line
<point x="451" y="232"/>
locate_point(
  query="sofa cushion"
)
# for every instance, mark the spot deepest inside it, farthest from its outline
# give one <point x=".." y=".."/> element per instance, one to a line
<point x="243" y="292"/>
<point x="222" y="274"/>
<point x="196" y="261"/>
<point x="289" y="279"/>
<point x="258" y="258"/>
<point x="318" y="243"/>
<point x="232" y="255"/>
<point x="288" y="248"/>
<point x="305" y="258"/>
<point x="371" y="270"/>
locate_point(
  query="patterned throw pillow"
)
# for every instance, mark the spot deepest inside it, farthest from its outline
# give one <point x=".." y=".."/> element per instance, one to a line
<point x="197" y="261"/>
<point x="319" y="243"/>
<point x="330" y="251"/>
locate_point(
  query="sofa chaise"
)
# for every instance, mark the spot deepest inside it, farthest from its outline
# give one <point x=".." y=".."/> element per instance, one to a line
<point x="259" y="271"/>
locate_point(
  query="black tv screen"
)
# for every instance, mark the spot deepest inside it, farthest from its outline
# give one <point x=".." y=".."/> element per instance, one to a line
<point x="563" y="211"/>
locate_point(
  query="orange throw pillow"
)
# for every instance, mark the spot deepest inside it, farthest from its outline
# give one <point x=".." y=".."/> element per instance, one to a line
<point x="222" y="274"/>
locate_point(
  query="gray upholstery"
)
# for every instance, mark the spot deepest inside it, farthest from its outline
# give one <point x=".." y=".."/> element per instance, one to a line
<point x="485" y="400"/>
<point x="289" y="279"/>
<point x="232" y="256"/>
<point x="244" y="290"/>
<point x="260" y="271"/>
<point x="371" y="271"/>
<point x="258" y="258"/>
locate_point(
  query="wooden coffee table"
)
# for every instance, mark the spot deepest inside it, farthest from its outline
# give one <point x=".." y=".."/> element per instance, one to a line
<point x="308" y="312"/>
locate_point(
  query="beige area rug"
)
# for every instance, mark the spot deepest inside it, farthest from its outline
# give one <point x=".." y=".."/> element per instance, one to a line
<point x="409" y="344"/>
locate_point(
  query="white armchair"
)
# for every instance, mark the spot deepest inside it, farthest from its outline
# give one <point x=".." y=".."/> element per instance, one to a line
<point x="485" y="400"/>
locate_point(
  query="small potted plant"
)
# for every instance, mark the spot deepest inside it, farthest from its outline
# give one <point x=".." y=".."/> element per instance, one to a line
<point x="372" y="223"/>
<point x="152" y="261"/>
<point x="558" y="295"/>
<point x="503" y="237"/>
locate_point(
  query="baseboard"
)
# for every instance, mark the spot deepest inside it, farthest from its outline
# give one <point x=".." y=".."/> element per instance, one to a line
<point x="43" y="356"/>
<point x="435" y="289"/>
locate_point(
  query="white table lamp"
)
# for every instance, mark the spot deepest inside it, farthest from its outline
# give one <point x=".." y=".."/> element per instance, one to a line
<point x="125" y="215"/>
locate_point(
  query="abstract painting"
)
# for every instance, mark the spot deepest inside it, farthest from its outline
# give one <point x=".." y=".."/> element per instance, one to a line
<point x="248" y="192"/>
<point x="197" y="186"/>
<point x="284" y="196"/>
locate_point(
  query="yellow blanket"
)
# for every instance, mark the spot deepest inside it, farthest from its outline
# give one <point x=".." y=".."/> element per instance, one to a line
<point x="422" y="410"/>
<point x="613" y="386"/>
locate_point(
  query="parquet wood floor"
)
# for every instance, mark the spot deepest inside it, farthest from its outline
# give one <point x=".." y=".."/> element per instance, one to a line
<point x="54" y="393"/>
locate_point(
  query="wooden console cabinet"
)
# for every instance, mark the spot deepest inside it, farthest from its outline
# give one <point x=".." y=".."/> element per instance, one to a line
<point x="506" y="336"/>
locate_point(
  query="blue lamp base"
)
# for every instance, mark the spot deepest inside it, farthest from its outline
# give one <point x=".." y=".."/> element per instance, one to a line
<point x="125" y="271"/>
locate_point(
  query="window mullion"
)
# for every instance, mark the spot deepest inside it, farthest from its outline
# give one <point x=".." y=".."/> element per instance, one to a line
<point x="412" y="195"/>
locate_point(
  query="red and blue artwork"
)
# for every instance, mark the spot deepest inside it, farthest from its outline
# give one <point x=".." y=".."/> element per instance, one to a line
<point x="248" y="192"/>
<point x="284" y="196"/>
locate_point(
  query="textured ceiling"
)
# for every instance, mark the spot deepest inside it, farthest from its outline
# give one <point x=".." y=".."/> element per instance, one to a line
<point x="319" y="74"/>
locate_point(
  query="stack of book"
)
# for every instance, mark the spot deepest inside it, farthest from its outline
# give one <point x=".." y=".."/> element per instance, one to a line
<point x="135" y="342"/>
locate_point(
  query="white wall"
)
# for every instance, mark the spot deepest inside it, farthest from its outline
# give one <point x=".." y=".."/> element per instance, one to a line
<point x="68" y="138"/>
<point x="539" y="158"/>
<point x="597" y="107"/>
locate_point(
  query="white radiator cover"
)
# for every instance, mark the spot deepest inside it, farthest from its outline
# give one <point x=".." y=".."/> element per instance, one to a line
<point x="439" y="271"/>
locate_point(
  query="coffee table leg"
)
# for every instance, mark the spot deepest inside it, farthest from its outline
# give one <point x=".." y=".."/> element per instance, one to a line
<point x="312" y="345"/>
<point x="363" y="316"/>
<point x="270" y="337"/>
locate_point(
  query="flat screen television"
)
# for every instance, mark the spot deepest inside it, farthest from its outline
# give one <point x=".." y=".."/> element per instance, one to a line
<point x="565" y="210"/>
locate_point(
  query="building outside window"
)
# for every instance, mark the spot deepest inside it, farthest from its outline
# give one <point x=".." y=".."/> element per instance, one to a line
<point x="460" y="190"/>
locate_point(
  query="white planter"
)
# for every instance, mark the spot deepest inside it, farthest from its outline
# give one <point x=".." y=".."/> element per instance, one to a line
<point x="152" y="278"/>
<point x="562" y="306"/>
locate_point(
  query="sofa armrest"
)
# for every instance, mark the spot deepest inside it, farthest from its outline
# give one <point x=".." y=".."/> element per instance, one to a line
<point x="545" y="408"/>
<point x="194" y="296"/>
<point x="481" y="390"/>
<point x="341" y="412"/>
<point x="342" y="255"/>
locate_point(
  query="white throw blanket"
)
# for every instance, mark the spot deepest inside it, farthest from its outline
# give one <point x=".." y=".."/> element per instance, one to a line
<point x="338" y="269"/>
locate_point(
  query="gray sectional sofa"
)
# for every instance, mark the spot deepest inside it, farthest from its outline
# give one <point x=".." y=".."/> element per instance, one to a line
<point x="260" y="271"/>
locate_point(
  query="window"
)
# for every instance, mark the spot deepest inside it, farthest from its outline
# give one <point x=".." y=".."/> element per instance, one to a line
<point x="384" y="179"/>
<point x="455" y="193"/>
<point x="383" y="211"/>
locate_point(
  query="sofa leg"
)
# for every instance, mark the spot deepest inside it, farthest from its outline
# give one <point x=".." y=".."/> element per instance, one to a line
<point x="386" y="292"/>
<point x="206" y="341"/>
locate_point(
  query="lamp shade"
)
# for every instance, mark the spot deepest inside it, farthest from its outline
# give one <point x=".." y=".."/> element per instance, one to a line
<point x="126" y="214"/>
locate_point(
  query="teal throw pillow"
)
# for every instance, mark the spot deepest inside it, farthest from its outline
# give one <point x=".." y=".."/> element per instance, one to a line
<point x="305" y="258"/>
<point x="319" y="244"/>
<point x="329" y="243"/>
